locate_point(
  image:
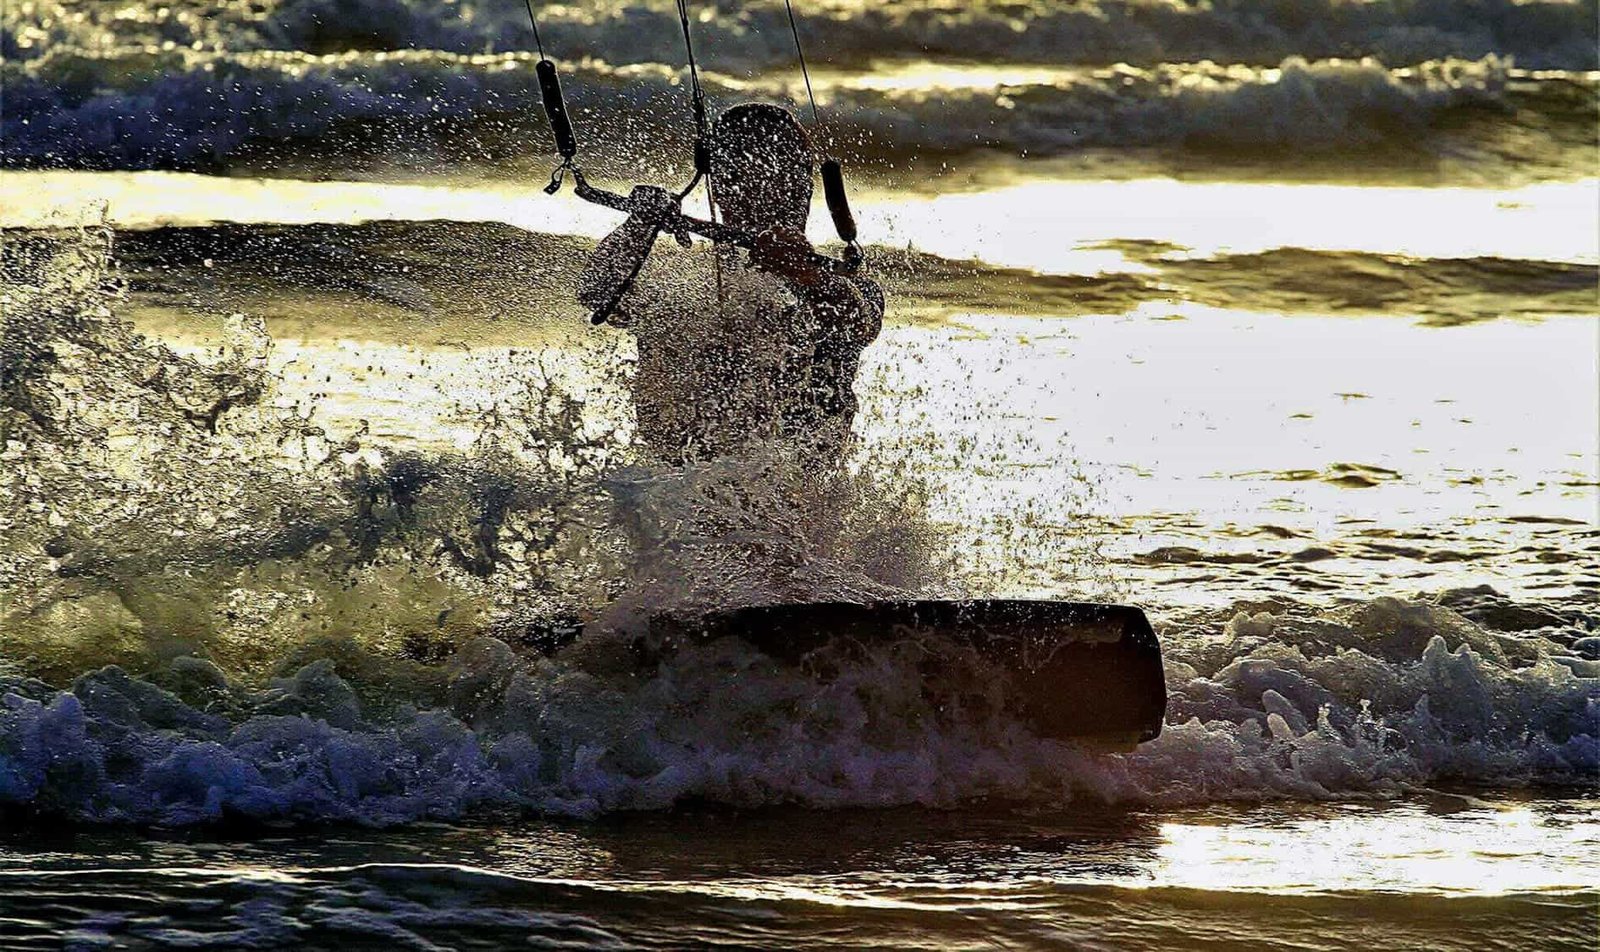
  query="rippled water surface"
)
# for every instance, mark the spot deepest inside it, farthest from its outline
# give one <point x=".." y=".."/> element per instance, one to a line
<point x="1279" y="322"/>
<point x="1413" y="875"/>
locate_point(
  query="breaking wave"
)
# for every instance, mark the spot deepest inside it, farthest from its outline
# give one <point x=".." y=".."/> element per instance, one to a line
<point x="177" y="108"/>
<point x="749" y="35"/>
<point x="1376" y="699"/>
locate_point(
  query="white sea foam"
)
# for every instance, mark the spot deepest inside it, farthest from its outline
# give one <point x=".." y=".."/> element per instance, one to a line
<point x="177" y="108"/>
<point x="1374" y="700"/>
<point x="753" y="34"/>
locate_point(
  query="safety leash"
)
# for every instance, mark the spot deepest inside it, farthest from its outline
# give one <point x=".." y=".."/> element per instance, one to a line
<point x="555" y="109"/>
<point x="702" y="148"/>
<point x="844" y="222"/>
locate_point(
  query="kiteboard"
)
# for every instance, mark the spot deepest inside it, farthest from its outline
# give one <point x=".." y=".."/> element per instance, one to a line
<point x="1081" y="672"/>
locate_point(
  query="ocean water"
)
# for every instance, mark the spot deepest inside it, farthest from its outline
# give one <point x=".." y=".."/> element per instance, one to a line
<point x="1276" y="320"/>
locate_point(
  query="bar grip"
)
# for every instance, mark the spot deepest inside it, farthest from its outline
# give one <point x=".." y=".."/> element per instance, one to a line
<point x="555" y="108"/>
<point x="838" y="203"/>
<point x="679" y="224"/>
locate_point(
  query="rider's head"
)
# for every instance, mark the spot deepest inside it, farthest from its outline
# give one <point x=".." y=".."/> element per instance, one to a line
<point x="761" y="164"/>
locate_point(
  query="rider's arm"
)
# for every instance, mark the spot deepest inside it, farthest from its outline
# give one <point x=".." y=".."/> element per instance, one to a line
<point x="618" y="256"/>
<point x="853" y="303"/>
<point x="612" y="263"/>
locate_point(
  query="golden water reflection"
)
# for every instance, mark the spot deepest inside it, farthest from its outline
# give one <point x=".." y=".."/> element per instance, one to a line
<point x="1054" y="227"/>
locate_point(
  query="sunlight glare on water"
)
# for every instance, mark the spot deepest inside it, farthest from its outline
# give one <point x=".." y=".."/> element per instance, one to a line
<point x="1491" y="851"/>
<point x="1176" y="409"/>
<point x="151" y="199"/>
<point x="1426" y="412"/>
<point x="1053" y="227"/>
<point x="1029" y="225"/>
<point x="914" y="76"/>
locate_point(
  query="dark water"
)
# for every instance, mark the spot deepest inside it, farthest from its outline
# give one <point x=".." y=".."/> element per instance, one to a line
<point x="997" y="876"/>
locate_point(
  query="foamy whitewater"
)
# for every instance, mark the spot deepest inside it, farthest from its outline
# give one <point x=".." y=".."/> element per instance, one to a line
<point x="1273" y="706"/>
<point x="327" y="549"/>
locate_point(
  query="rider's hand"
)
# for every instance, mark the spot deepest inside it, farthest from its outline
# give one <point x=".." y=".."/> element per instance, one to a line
<point x="787" y="253"/>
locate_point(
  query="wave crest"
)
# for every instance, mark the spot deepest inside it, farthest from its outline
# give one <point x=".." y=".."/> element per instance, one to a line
<point x="752" y="35"/>
<point x="154" y="108"/>
<point x="1331" y="704"/>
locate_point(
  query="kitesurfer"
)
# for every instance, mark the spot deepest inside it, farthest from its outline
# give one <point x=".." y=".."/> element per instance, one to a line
<point x="752" y="351"/>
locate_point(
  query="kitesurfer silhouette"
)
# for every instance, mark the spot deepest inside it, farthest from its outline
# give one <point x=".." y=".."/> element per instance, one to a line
<point x="770" y="350"/>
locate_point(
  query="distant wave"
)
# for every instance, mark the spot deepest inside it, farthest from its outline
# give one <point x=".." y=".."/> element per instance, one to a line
<point x="745" y="35"/>
<point x="152" y="108"/>
<point x="470" y="262"/>
<point x="1443" y="292"/>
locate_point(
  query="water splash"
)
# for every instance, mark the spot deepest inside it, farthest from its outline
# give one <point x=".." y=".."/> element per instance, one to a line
<point x="217" y="607"/>
<point x="381" y="741"/>
<point x="163" y="504"/>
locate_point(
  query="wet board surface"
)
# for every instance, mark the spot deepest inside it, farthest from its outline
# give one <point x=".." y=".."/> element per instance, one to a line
<point x="1081" y="670"/>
